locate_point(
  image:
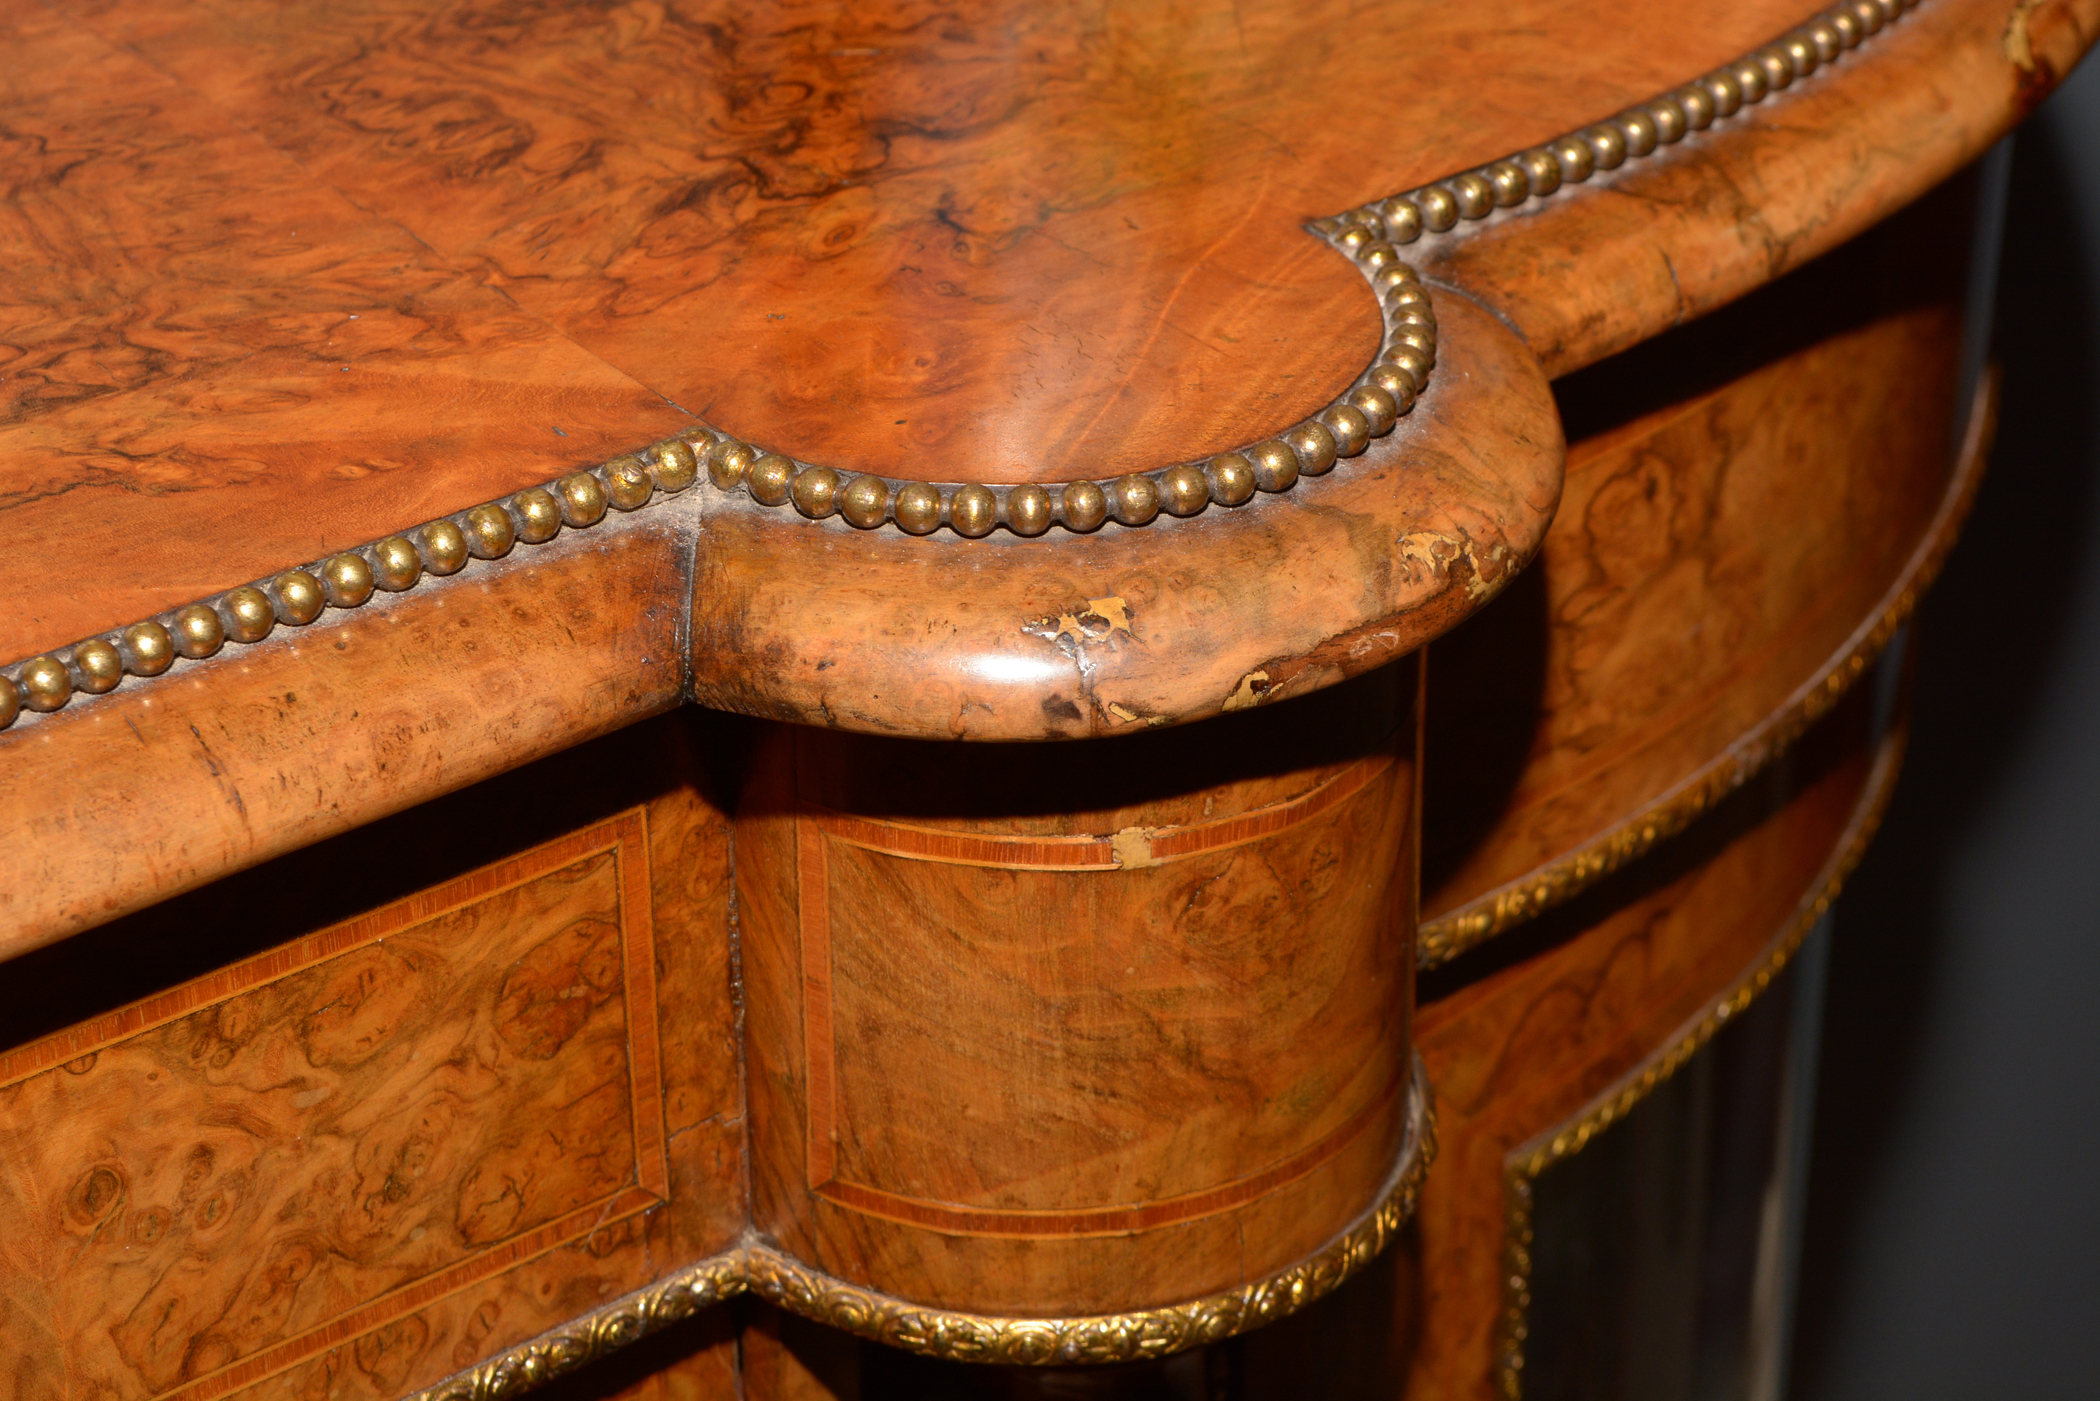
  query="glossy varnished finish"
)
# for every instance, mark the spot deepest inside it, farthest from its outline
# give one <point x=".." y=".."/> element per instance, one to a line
<point x="360" y="1161"/>
<point x="1039" y="1061"/>
<point x="1754" y="504"/>
<point x="1010" y="1052"/>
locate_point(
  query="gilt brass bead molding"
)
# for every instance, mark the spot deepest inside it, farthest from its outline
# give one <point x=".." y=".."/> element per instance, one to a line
<point x="1642" y="130"/>
<point x="1448" y="935"/>
<point x="294" y="598"/>
<point x="596" y="1334"/>
<point x="1117" y="1337"/>
<point x="1525" y="1163"/>
<point x="1369" y="408"/>
<point x="759" y="1269"/>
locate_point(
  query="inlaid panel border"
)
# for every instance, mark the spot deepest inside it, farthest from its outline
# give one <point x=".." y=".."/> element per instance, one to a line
<point x="1132" y="848"/>
<point x="625" y="838"/>
<point x="757" y="1268"/>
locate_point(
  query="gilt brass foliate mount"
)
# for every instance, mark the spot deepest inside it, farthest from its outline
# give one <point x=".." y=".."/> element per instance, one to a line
<point x="964" y="1337"/>
<point x="1439" y="206"/>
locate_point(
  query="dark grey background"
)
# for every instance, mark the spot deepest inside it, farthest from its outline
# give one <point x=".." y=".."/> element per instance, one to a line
<point x="1953" y="1235"/>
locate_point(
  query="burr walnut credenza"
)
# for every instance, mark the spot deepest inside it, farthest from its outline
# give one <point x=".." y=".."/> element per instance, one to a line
<point x="954" y="699"/>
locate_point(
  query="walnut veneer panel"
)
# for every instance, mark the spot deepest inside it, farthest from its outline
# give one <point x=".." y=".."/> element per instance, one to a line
<point x="1755" y="493"/>
<point x="1601" y="989"/>
<point x="359" y="1162"/>
<point x="1020" y="1060"/>
<point x="217" y="366"/>
<point x="982" y="239"/>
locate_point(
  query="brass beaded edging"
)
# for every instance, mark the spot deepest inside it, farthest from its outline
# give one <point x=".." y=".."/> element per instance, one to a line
<point x="1638" y="131"/>
<point x="1528" y="1160"/>
<point x="963" y="1337"/>
<point x="1369" y="408"/>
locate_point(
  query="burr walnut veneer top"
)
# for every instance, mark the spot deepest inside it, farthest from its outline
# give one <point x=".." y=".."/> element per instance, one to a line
<point x="283" y="278"/>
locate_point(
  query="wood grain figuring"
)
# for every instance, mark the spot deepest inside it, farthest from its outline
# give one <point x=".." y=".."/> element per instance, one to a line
<point x="218" y="367"/>
<point x="309" y="1146"/>
<point x="672" y="900"/>
<point x="979" y="1076"/>
<point x="1782" y="183"/>
<point x="933" y="239"/>
<point x="1120" y="631"/>
<point x="1622" y="973"/>
<point x="1715" y="559"/>
<point x="224" y="763"/>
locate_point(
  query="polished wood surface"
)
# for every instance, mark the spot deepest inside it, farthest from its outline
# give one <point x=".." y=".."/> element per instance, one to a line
<point x="385" y="1021"/>
<point x="1016" y="1059"/>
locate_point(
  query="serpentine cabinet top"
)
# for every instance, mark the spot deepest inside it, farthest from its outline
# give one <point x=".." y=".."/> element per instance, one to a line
<point x="1205" y="343"/>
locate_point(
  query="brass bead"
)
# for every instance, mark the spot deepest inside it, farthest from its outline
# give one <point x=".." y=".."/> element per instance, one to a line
<point x="1726" y="92"/>
<point x="918" y="509"/>
<point x="1391" y="280"/>
<point x="1439" y="208"/>
<point x="1133" y="500"/>
<point x="1607" y="146"/>
<point x="1416" y="339"/>
<point x="248" y="613"/>
<point x="816" y="492"/>
<point x="1541" y="171"/>
<point x="1508" y="182"/>
<point x="489" y="532"/>
<point x="1403" y="222"/>
<point x="864" y="501"/>
<point x="1416" y="317"/>
<point x="1398" y="382"/>
<point x="1231" y="479"/>
<point x="582" y="499"/>
<point x="1778" y="66"/>
<point x="299" y="597"/>
<point x="1750" y="78"/>
<point x="1028" y="510"/>
<point x="973" y="511"/>
<point x="1847" y="27"/>
<point x="198" y="631"/>
<point x="348" y="580"/>
<point x="1275" y="465"/>
<point x="1801" y="53"/>
<point x="728" y="461"/>
<point x="45" y="685"/>
<point x="98" y="665"/>
<point x="674" y="465"/>
<point x="1697" y="104"/>
<point x="395" y="564"/>
<point x="770" y="479"/>
<point x="444" y="547"/>
<point x="1315" y="447"/>
<point x="1639" y="130"/>
<point x="1183" y="490"/>
<point x="538" y="515"/>
<point x="1376" y="256"/>
<point x="1353" y="238"/>
<point x="1826" y="39"/>
<point x="1576" y="160"/>
<point x="1347" y="428"/>
<point x="1869" y="16"/>
<point x="1083" y="506"/>
<point x="1403" y="298"/>
<point x="10" y="702"/>
<point x="1473" y="194"/>
<point x="148" y="650"/>
<point x="1378" y="407"/>
<point x="1669" y="119"/>
<point x="1410" y="359"/>
<point x="627" y="484"/>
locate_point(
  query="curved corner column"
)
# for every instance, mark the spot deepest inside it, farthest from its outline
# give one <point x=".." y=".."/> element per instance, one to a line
<point x="1067" y="1030"/>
